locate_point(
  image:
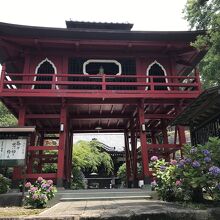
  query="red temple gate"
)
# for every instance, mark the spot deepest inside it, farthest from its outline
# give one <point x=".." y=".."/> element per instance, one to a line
<point x="90" y="75"/>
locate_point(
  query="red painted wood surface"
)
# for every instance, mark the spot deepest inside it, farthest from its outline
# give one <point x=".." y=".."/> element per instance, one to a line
<point x="143" y="140"/>
<point x="36" y="148"/>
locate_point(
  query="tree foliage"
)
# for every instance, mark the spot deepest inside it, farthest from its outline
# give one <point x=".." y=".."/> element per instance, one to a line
<point x="205" y="15"/>
<point x="122" y="172"/>
<point x="6" y="118"/>
<point x="88" y="155"/>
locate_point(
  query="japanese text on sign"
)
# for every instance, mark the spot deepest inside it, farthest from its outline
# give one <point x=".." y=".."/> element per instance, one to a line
<point x="12" y="149"/>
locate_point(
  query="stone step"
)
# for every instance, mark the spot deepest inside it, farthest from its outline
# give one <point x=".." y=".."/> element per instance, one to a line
<point x="107" y="194"/>
<point x="98" y="198"/>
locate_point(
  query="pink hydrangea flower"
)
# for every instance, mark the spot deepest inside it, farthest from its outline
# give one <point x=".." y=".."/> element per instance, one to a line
<point x="154" y="158"/>
<point x="50" y="188"/>
<point x="28" y="185"/>
<point x="173" y="162"/>
<point x="50" y="182"/>
<point x="40" y="179"/>
<point x="33" y="189"/>
<point x="178" y="183"/>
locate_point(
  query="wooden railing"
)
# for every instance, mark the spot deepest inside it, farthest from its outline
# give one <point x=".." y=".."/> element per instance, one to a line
<point x="95" y="83"/>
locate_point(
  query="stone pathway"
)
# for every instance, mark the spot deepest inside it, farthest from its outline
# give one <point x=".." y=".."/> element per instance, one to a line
<point x="121" y="209"/>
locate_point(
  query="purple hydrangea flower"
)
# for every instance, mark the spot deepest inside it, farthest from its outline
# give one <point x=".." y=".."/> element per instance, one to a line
<point x="181" y="164"/>
<point x="162" y="168"/>
<point x="207" y="159"/>
<point x="188" y="160"/>
<point x="215" y="171"/>
<point x="43" y="197"/>
<point x="34" y="196"/>
<point x="45" y="185"/>
<point x="193" y="150"/>
<point x="195" y="164"/>
<point x="154" y="158"/>
<point x="206" y="152"/>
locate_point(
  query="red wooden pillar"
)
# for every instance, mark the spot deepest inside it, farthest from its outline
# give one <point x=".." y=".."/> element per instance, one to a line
<point x="175" y="140"/>
<point x="134" y="154"/>
<point x="141" y="71"/>
<point x="68" y="157"/>
<point x="143" y="140"/>
<point x="182" y="137"/>
<point x="2" y="77"/>
<point x="164" y="132"/>
<point x="30" y="158"/>
<point x="165" y="137"/>
<point x="39" y="167"/>
<point x="21" y="116"/>
<point x="26" y="70"/>
<point x="62" y="143"/>
<point x="70" y="152"/>
<point x="17" y="172"/>
<point x="198" y="79"/>
<point x="128" y="162"/>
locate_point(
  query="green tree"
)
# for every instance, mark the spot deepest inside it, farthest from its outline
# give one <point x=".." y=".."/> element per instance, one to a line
<point x="6" y="118"/>
<point x="89" y="156"/>
<point x="122" y="172"/>
<point x="205" y="15"/>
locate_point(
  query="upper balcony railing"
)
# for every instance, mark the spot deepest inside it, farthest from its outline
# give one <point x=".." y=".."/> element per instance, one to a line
<point x="75" y="83"/>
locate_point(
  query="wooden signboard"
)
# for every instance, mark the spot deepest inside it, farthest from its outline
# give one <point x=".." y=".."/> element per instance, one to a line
<point x="13" y="145"/>
<point x="12" y="152"/>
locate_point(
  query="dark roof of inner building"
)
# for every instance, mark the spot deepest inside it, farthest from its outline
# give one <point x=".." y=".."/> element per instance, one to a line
<point x="98" y="25"/>
<point x="201" y="110"/>
<point x="15" y="30"/>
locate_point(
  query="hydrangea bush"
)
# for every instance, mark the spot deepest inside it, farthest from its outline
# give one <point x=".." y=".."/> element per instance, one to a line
<point x="191" y="177"/>
<point x="4" y="184"/>
<point x="40" y="192"/>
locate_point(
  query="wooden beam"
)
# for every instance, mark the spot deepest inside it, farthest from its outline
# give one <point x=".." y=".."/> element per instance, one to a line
<point x="43" y="116"/>
<point x="44" y="175"/>
<point x="36" y="148"/>
<point x="176" y="146"/>
<point x="97" y="116"/>
<point x="44" y="156"/>
<point x="158" y="116"/>
<point x="123" y="109"/>
<point x="100" y="110"/>
<point x="112" y="109"/>
<point x="108" y="124"/>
